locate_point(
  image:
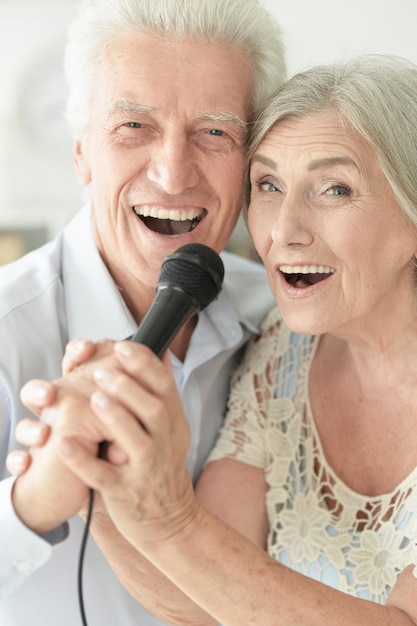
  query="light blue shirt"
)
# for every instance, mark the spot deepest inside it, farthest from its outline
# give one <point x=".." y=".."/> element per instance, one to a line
<point x="57" y="293"/>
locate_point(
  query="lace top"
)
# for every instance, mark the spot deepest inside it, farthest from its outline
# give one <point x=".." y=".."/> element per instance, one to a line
<point x="352" y="542"/>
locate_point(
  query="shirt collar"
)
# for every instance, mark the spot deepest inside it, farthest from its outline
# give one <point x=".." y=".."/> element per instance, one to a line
<point x="96" y="310"/>
<point x="94" y="306"/>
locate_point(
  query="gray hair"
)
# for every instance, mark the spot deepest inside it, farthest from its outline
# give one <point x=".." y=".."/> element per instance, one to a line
<point x="242" y="23"/>
<point x="376" y="95"/>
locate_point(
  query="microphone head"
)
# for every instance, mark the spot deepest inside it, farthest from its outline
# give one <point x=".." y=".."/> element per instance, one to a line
<point x="196" y="269"/>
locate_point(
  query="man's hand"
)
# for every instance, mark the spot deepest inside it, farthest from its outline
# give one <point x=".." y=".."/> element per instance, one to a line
<point x="38" y="395"/>
<point x="29" y="432"/>
<point x="46" y="492"/>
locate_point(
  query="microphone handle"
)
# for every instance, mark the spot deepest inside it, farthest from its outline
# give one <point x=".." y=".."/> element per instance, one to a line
<point x="171" y="308"/>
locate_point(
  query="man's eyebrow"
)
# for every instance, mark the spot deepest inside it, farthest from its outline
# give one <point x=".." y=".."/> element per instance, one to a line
<point x="329" y="162"/>
<point x="133" y="107"/>
<point x="225" y="117"/>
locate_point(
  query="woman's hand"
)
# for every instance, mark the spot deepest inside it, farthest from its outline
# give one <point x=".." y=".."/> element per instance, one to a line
<point x="404" y="593"/>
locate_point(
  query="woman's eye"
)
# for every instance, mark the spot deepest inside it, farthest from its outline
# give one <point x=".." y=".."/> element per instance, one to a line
<point x="338" y="190"/>
<point x="265" y="186"/>
<point x="215" y="132"/>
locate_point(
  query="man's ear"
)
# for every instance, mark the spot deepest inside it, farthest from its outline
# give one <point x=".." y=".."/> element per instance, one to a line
<point x="81" y="163"/>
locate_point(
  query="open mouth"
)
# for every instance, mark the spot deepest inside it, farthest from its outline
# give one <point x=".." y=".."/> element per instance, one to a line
<point x="303" y="276"/>
<point x="170" y="222"/>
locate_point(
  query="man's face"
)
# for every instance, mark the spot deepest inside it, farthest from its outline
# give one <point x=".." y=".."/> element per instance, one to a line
<point x="164" y="151"/>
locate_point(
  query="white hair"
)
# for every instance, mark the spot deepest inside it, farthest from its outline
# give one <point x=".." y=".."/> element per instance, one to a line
<point x="241" y="23"/>
<point x="374" y="94"/>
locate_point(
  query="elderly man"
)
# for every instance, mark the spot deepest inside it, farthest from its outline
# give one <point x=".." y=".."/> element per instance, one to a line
<point x="160" y="95"/>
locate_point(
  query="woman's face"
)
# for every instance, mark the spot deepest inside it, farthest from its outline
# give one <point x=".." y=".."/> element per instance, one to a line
<point x="338" y="250"/>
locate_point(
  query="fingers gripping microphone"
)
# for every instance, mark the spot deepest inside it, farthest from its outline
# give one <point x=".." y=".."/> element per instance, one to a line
<point x="190" y="279"/>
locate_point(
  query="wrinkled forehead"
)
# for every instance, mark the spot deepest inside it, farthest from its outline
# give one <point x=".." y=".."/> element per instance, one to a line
<point x="184" y="74"/>
<point x="324" y="131"/>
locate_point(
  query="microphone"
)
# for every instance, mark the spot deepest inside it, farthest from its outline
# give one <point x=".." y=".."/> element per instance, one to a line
<point x="190" y="279"/>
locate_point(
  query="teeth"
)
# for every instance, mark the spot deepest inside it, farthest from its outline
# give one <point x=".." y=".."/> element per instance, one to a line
<point x="176" y="215"/>
<point x="306" y="269"/>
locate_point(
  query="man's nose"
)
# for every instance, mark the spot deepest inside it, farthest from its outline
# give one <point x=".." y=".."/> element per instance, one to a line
<point x="173" y="165"/>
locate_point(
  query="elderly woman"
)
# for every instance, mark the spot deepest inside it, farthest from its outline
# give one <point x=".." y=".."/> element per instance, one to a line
<point x="306" y="512"/>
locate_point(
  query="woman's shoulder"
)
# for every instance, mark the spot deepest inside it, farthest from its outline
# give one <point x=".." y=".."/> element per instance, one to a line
<point x="273" y="329"/>
<point x="272" y="320"/>
<point x="271" y="343"/>
<point x="278" y="348"/>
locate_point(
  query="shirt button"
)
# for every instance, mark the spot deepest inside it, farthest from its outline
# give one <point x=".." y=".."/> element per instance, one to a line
<point x="23" y="566"/>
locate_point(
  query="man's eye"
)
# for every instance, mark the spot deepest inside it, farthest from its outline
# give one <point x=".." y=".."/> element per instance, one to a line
<point x="265" y="186"/>
<point x="133" y="125"/>
<point x="214" y="140"/>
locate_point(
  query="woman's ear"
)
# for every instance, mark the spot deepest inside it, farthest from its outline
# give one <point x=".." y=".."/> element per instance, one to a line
<point x="81" y="163"/>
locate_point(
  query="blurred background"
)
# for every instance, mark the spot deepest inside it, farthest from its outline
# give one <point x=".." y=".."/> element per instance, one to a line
<point x="38" y="189"/>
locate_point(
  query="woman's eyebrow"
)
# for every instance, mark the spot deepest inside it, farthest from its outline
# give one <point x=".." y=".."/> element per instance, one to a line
<point x="329" y="161"/>
<point x="265" y="161"/>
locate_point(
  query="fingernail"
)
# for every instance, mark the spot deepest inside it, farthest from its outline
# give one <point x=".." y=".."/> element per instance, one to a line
<point x="34" y="431"/>
<point x="100" y="400"/>
<point x="77" y="346"/>
<point x="124" y="348"/>
<point x="39" y="392"/>
<point x="19" y="459"/>
<point x="103" y="376"/>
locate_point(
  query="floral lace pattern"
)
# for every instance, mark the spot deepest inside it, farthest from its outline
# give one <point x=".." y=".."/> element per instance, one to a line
<point x="317" y="524"/>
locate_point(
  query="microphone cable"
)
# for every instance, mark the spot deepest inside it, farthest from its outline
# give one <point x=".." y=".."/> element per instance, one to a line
<point x="82" y="556"/>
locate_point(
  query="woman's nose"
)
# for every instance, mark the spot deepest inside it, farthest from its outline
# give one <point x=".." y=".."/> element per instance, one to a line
<point x="292" y="223"/>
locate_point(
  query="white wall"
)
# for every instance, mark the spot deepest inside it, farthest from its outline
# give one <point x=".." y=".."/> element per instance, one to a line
<point x="322" y="31"/>
<point x="38" y="191"/>
<point x="37" y="184"/>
